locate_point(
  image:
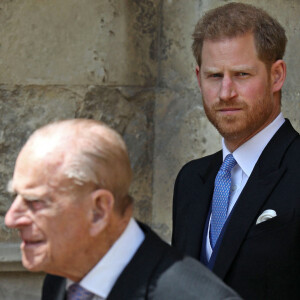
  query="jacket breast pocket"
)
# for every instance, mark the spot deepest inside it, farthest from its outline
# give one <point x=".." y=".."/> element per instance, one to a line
<point x="272" y="225"/>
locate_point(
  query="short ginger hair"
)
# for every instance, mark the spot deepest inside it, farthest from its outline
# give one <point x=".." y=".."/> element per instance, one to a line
<point x="236" y="19"/>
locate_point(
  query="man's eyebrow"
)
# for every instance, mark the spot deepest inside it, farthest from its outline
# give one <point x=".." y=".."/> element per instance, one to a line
<point x="243" y="68"/>
<point x="28" y="196"/>
<point x="10" y="188"/>
<point x="211" y="70"/>
<point x="31" y="197"/>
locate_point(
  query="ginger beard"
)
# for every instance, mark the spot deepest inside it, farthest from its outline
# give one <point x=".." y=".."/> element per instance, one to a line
<point x="244" y="123"/>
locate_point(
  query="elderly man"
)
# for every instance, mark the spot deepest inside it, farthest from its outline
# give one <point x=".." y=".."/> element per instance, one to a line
<point x="74" y="216"/>
<point x="238" y="210"/>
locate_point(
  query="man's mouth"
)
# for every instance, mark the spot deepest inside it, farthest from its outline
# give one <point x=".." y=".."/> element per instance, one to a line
<point x="229" y="110"/>
<point x="31" y="243"/>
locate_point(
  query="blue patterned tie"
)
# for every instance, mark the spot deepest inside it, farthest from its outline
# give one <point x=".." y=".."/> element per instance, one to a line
<point x="77" y="292"/>
<point x="221" y="198"/>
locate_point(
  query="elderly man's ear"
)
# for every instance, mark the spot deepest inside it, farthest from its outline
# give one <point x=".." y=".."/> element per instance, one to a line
<point x="102" y="207"/>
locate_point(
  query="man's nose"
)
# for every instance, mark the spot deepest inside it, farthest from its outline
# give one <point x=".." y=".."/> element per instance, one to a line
<point x="17" y="215"/>
<point x="227" y="89"/>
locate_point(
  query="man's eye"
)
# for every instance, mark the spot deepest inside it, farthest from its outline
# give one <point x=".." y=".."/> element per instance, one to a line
<point x="216" y="75"/>
<point x="35" y="204"/>
<point x="243" y="74"/>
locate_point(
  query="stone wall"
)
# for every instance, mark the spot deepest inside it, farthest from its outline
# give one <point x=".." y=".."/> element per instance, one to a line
<point x="128" y="63"/>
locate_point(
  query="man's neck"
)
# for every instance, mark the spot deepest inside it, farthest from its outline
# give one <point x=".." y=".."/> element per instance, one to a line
<point x="234" y="142"/>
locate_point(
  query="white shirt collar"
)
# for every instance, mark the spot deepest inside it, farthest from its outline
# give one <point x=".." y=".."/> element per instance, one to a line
<point x="248" y="154"/>
<point x="103" y="276"/>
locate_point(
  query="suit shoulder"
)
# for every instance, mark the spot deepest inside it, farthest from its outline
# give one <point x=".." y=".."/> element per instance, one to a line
<point x="166" y="254"/>
<point x="292" y="156"/>
<point x="192" y="279"/>
<point x="196" y="164"/>
<point x="295" y="145"/>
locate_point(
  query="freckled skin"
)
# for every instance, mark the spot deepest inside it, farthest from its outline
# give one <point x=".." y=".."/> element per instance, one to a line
<point x="237" y="89"/>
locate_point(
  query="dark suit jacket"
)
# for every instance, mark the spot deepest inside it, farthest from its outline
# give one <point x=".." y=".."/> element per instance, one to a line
<point x="155" y="272"/>
<point x="258" y="261"/>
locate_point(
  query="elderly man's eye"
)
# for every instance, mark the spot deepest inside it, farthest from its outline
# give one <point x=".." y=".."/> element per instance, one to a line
<point x="35" y="205"/>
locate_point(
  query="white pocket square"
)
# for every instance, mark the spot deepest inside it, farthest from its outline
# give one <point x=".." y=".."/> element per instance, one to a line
<point x="266" y="215"/>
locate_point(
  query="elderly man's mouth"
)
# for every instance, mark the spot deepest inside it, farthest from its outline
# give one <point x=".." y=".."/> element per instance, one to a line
<point x="28" y="244"/>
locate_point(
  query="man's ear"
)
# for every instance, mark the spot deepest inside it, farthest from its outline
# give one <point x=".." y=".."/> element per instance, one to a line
<point x="198" y="76"/>
<point x="102" y="208"/>
<point x="278" y="75"/>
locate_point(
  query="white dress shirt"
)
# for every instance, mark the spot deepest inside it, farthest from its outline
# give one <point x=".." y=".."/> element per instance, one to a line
<point x="246" y="157"/>
<point x="103" y="276"/>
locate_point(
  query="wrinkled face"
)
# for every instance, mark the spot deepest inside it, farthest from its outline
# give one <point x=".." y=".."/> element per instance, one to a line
<point x="52" y="221"/>
<point x="236" y="90"/>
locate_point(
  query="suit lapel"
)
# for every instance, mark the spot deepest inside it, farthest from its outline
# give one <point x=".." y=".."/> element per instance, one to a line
<point x="199" y="208"/>
<point x="242" y="217"/>
<point x="54" y="288"/>
<point x="134" y="281"/>
<point x="265" y="176"/>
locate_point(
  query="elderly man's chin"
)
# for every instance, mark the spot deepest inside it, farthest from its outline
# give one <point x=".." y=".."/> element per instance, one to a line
<point x="34" y="259"/>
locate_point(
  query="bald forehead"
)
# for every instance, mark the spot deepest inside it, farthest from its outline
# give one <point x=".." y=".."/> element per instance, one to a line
<point x="43" y="146"/>
<point x="40" y="159"/>
<point x="69" y="132"/>
<point x="46" y="151"/>
<point x="82" y="146"/>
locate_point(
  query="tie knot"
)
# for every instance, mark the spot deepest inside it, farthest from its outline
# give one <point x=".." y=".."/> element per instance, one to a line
<point x="228" y="163"/>
<point x="77" y="292"/>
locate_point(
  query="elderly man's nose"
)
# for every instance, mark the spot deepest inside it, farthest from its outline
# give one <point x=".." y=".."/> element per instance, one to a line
<point x="17" y="216"/>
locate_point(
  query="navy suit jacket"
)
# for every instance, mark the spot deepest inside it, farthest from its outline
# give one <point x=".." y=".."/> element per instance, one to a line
<point x="258" y="261"/>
